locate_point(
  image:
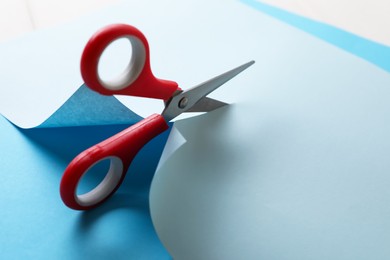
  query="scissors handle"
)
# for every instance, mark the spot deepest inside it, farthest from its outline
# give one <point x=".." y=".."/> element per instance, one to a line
<point x="121" y="150"/>
<point x="137" y="79"/>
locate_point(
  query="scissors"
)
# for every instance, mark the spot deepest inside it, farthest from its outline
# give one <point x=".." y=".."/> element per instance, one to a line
<point x="136" y="80"/>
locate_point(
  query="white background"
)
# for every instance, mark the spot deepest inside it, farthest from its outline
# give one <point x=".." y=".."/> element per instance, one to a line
<point x="20" y="16"/>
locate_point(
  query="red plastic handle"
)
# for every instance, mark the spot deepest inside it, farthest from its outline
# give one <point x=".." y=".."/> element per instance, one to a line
<point x="120" y="149"/>
<point x="137" y="79"/>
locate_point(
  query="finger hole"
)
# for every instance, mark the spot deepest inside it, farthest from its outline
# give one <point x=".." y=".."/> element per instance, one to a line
<point x="119" y="65"/>
<point x="106" y="186"/>
<point x="114" y="60"/>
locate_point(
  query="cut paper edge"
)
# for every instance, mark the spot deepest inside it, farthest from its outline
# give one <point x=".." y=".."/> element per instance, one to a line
<point x="371" y="51"/>
<point x="174" y="142"/>
<point x="88" y="108"/>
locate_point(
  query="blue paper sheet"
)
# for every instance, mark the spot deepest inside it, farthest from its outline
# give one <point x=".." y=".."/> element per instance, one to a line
<point x="87" y="108"/>
<point x="34" y="222"/>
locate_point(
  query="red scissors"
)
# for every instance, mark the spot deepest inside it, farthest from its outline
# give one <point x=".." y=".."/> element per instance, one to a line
<point x="136" y="80"/>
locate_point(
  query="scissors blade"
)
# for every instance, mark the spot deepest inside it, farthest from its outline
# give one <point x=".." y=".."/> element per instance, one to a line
<point x="206" y="104"/>
<point x="184" y="101"/>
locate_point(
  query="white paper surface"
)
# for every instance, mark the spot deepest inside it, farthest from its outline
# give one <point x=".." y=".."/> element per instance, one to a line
<point x="296" y="168"/>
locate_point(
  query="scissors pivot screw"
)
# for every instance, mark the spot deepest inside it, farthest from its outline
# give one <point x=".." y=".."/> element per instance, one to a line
<point x="183" y="102"/>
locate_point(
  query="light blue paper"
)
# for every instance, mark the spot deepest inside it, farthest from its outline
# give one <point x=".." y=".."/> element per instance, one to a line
<point x="296" y="168"/>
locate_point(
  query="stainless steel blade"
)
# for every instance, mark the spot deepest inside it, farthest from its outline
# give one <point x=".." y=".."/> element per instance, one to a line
<point x="206" y="104"/>
<point x="185" y="100"/>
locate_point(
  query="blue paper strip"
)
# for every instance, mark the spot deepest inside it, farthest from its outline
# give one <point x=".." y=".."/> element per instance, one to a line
<point x="371" y="51"/>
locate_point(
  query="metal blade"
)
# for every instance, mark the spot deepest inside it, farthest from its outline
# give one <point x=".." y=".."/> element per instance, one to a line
<point x="202" y="90"/>
<point x="185" y="100"/>
<point x="206" y="104"/>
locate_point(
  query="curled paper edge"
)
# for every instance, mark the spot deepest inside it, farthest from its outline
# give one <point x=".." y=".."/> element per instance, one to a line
<point x="174" y="142"/>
